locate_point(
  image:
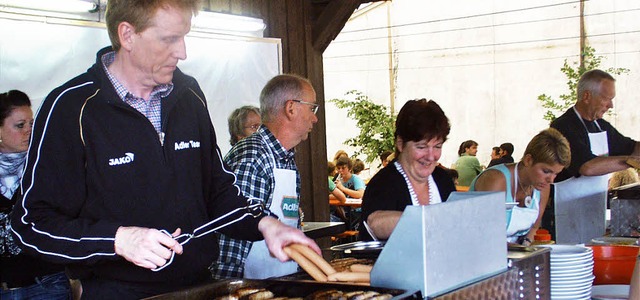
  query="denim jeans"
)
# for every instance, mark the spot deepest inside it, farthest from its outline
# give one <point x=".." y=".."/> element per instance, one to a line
<point x="50" y="287"/>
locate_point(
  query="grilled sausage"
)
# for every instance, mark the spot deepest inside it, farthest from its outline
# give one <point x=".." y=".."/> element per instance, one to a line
<point x="305" y="264"/>
<point x="350" y="276"/>
<point x="314" y="258"/>
<point x="360" y="268"/>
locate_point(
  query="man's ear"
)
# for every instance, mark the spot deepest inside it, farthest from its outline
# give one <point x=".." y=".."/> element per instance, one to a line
<point x="586" y="96"/>
<point x="126" y="35"/>
<point x="289" y="110"/>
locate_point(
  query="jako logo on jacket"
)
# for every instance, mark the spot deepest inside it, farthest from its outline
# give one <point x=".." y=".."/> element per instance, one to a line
<point x="128" y="158"/>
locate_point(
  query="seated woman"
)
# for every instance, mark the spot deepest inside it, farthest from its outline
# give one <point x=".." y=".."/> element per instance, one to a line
<point x="413" y="178"/>
<point x="527" y="182"/>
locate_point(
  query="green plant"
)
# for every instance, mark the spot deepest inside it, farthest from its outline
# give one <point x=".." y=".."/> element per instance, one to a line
<point x="375" y="122"/>
<point x="573" y="73"/>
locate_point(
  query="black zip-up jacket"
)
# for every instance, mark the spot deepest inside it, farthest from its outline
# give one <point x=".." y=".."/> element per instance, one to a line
<point x="95" y="164"/>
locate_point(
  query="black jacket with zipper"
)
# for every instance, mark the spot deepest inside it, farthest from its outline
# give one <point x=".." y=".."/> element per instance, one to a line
<point x="95" y="164"/>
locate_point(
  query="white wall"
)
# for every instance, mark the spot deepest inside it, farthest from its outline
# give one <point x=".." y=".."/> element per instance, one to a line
<point x="37" y="56"/>
<point x="484" y="62"/>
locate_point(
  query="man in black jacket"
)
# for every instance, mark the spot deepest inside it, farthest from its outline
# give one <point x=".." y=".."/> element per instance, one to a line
<point x="124" y="171"/>
<point x="506" y="150"/>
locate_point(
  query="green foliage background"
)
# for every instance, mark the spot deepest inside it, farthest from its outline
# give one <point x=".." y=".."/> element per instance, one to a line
<point x="573" y="73"/>
<point x="375" y="122"/>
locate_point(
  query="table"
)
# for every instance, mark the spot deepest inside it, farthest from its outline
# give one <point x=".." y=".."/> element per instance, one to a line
<point x="316" y="230"/>
<point x="351" y="209"/>
<point x="462" y="188"/>
<point x="350" y="202"/>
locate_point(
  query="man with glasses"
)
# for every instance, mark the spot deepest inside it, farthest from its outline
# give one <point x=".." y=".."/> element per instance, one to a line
<point x="265" y="168"/>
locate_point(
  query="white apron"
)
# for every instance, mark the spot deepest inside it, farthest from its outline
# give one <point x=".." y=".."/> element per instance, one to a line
<point x="522" y="218"/>
<point x="579" y="201"/>
<point x="598" y="141"/>
<point x="259" y="263"/>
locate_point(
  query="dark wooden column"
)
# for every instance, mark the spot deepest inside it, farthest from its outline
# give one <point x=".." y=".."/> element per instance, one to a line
<point x="290" y="20"/>
<point x="306" y="27"/>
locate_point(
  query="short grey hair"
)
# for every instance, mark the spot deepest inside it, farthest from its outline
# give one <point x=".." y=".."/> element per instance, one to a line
<point x="590" y="81"/>
<point x="278" y="91"/>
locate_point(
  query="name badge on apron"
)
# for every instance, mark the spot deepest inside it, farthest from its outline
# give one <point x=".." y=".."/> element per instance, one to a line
<point x="290" y="209"/>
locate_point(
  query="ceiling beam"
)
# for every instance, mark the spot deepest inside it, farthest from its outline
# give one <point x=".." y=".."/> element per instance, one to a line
<point x="331" y="21"/>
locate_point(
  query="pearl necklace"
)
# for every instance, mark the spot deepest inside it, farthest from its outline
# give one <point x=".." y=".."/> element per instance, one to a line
<point x="528" y="198"/>
<point x="412" y="192"/>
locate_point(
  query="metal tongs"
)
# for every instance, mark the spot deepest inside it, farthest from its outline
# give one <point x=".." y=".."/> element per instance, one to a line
<point x="254" y="209"/>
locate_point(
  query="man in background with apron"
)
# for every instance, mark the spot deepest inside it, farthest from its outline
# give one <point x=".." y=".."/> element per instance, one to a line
<point x="597" y="148"/>
<point x="265" y="168"/>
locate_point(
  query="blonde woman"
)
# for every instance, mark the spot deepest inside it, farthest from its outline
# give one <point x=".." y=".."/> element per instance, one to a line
<point x="527" y="182"/>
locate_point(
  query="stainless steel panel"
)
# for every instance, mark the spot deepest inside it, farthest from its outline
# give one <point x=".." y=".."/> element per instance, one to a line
<point x="580" y="206"/>
<point x="438" y="248"/>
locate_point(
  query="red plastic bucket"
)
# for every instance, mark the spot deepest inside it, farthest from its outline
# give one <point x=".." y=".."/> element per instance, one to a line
<point x="613" y="264"/>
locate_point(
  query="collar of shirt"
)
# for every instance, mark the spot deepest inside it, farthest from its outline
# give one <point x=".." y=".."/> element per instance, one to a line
<point x="158" y="92"/>
<point x="281" y="154"/>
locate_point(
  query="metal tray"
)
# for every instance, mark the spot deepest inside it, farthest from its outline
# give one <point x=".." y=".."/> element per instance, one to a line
<point x="280" y="288"/>
<point x="360" y="249"/>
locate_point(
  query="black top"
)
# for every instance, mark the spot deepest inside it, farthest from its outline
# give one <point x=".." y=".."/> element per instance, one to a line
<point x="507" y="159"/>
<point x="570" y="126"/>
<point x="388" y="190"/>
<point x="97" y="164"/>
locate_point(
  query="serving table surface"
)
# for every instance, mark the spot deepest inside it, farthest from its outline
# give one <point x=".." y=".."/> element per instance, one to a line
<point x="316" y="230"/>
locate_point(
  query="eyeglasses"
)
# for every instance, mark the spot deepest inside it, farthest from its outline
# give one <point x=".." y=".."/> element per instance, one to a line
<point x="314" y="106"/>
<point x="253" y="127"/>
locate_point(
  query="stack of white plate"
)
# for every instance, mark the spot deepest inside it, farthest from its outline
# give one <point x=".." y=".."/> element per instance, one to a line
<point x="571" y="272"/>
<point x="610" y="291"/>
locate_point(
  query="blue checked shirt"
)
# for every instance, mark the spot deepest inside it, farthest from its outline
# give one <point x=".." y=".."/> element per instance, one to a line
<point x="252" y="160"/>
<point x="151" y="108"/>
